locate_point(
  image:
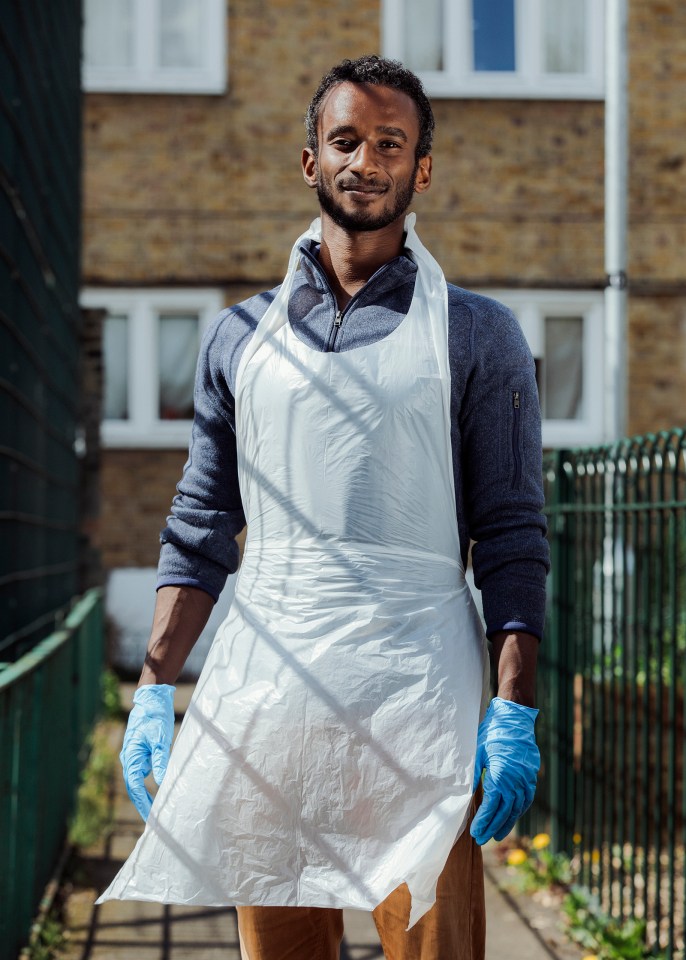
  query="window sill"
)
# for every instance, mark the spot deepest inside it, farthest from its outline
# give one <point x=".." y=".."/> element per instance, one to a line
<point x="508" y="88"/>
<point x="163" y="435"/>
<point x="563" y="434"/>
<point x="128" y="82"/>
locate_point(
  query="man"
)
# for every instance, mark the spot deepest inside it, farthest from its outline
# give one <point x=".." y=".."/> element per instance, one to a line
<point x="367" y="420"/>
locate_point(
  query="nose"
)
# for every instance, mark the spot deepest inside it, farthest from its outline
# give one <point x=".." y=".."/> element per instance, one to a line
<point x="363" y="160"/>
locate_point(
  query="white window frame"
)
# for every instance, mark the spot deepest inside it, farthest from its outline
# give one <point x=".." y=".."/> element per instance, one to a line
<point x="144" y="76"/>
<point x="144" y="428"/>
<point x="458" y="79"/>
<point x="531" y="307"/>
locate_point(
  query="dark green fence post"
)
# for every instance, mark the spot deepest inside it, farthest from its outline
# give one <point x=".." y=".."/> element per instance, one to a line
<point x="558" y="656"/>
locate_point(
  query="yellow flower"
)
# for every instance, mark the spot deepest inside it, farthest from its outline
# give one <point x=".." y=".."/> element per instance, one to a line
<point x="590" y="956"/>
<point x="595" y="856"/>
<point x="516" y="857"/>
<point x="540" y="841"/>
<point x="577" y="839"/>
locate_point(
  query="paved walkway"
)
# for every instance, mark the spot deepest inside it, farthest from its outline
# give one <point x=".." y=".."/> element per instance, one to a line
<point x="133" y="930"/>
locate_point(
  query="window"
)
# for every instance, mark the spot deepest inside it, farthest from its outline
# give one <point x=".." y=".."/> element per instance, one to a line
<point x="500" y="48"/>
<point x="155" y="46"/>
<point x="150" y="349"/>
<point x="565" y="332"/>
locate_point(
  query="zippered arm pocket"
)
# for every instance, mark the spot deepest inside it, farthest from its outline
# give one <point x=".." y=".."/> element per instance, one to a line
<point x="516" y="431"/>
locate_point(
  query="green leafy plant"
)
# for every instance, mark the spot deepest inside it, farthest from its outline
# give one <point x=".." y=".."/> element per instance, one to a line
<point x="49" y="942"/>
<point x="589" y="926"/>
<point x="111" y="701"/>
<point x="537" y="867"/>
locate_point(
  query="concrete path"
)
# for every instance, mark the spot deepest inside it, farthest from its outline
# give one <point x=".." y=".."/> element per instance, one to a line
<point x="133" y="930"/>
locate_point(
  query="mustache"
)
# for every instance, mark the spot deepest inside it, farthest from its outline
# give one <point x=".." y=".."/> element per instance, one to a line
<point x="357" y="182"/>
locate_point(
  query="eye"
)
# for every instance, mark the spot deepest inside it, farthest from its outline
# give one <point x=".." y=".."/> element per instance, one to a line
<point x="389" y="145"/>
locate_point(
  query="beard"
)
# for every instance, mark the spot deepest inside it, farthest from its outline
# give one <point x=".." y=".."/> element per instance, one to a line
<point x="365" y="220"/>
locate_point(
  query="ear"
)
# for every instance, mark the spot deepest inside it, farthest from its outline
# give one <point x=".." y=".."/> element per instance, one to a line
<point x="309" y="166"/>
<point x="422" y="180"/>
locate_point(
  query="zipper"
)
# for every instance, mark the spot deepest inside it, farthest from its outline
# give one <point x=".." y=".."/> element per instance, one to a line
<point x="337" y="324"/>
<point x="516" y="408"/>
<point x="338" y="319"/>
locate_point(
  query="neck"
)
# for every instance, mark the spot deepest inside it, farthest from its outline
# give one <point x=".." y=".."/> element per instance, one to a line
<point x="349" y="258"/>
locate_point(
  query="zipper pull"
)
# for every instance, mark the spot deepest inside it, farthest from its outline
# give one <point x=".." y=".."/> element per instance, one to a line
<point x="515" y="399"/>
<point x="339" y="319"/>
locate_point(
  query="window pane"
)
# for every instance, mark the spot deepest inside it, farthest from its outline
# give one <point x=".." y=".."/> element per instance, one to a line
<point x="178" y="354"/>
<point x="181" y="29"/>
<point x="565" y="42"/>
<point x="424" y="35"/>
<point x="562" y="394"/>
<point x="493" y="24"/>
<point x="115" y="344"/>
<point x="108" y="34"/>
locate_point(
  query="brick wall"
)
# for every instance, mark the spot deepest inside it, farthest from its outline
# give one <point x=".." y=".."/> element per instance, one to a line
<point x="657" y="239"/>
<point x="137" y="488"/>
<point x="657" y="363"/>
<point x="517" y="195"/>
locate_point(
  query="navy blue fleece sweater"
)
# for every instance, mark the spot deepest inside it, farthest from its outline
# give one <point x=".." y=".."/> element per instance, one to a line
<point x="495" y="432"/>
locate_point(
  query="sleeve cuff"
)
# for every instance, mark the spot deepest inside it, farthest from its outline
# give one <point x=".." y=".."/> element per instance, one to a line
<point x="511" y="626"/>
<point x="187" y="582"/>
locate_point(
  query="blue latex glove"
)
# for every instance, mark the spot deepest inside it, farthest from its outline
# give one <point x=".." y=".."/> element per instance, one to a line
<point x="506" y="749"/>
<point x="147" y="741"/>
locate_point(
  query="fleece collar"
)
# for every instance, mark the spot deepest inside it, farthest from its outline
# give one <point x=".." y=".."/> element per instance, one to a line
<point x="388" y="277"/>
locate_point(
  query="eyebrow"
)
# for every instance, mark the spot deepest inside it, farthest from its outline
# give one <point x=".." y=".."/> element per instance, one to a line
<point x="349" y="128"/>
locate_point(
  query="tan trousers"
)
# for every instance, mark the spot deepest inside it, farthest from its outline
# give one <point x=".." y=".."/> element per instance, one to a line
<point x="454" y="928"/>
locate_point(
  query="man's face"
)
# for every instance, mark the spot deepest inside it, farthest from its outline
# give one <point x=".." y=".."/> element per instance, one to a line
<point x="366" y="173"/>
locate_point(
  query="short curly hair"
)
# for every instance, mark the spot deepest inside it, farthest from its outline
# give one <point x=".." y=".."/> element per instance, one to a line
<point x="384" y="73"/>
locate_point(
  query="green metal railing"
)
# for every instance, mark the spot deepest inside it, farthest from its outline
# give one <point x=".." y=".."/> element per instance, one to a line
<point x="612" y="678"/>
<point x="48" y="702"/>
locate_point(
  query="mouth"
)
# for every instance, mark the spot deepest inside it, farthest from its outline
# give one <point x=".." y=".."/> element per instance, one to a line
<point x="367" y="191"/>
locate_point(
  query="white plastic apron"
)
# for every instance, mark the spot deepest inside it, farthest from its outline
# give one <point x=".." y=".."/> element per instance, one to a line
<point x="328" y="752"/>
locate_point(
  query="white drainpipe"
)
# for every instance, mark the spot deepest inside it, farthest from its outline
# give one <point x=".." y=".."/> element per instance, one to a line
<point x="616" y="221"/>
